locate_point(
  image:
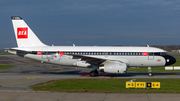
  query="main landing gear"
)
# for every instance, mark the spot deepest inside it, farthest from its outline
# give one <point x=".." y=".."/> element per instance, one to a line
<point x="149" y="71"/>
<point x="94" y="71"/>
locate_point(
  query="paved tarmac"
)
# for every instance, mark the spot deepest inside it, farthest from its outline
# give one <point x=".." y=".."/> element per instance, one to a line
<point x="15" y="82"/>
<point x="48" y="96"/>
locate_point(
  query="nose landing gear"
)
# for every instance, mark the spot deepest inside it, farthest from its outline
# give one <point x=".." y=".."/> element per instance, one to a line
<point x="149" y="71"/>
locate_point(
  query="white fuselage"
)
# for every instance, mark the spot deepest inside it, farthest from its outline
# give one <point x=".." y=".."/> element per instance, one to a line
<point x="133" y="56"/>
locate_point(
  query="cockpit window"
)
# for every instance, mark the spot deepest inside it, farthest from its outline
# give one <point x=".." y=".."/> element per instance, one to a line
<point x="163" y="53"/>
<point x="157" y="54"/>
<point x="160" y="53"/>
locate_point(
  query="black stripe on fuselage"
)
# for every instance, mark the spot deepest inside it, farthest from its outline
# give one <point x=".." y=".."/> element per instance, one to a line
<point x="102" y="53"/>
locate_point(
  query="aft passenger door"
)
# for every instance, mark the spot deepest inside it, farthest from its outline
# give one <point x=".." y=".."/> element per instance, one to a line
<point x="44" y="53"/>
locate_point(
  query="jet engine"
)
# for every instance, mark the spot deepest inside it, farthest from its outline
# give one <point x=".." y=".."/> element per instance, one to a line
<point x="114" y="68"/>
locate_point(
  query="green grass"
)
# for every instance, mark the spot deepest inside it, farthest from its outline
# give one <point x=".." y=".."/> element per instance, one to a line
<point x="174" y="54"/>
<point x="154" y="70"/>
<point x="5" y="53"/>
<point x="158" y="69"/>
<point x="107" y="86"/>
<point x="2" y="67"/>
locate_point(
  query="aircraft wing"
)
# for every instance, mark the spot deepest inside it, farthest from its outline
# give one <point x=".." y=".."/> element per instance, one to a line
<point x="107" y="65"/>
<point x="94" y="60"/>
<point x="91" y="60"/>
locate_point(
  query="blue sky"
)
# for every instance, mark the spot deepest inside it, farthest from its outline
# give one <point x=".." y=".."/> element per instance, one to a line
<point x="94" y="22"/>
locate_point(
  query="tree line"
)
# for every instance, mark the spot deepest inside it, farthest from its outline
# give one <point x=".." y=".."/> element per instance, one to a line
<point x="168" y="47"/>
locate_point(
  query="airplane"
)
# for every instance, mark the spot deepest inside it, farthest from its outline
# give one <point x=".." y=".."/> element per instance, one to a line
<point x="108" y="59"/>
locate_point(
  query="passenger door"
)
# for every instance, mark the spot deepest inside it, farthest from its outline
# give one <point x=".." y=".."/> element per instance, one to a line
<point x="150" y="54"/>
<point x="44" y="53"/>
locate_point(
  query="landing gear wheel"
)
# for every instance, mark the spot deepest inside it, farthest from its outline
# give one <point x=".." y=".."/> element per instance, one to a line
<point x="96" y="72"/>
<point x="150" y="74"/>
<point x="92" y="74"/>
<point x="149" y="71"/>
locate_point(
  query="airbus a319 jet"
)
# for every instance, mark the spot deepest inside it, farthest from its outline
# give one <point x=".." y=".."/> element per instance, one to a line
<point x="108" y="59"/>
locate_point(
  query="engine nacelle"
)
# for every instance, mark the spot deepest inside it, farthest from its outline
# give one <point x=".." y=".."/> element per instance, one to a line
<point x="115" y="68"/>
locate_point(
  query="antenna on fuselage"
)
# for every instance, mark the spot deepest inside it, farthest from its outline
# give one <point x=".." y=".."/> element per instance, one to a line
<point x="72" y="43"/>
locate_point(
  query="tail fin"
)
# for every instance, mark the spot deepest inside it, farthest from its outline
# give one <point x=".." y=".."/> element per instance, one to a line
<point x="25" y="37"/>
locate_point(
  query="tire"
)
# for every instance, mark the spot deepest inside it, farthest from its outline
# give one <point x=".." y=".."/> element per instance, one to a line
<point x="150" y="74"/>
<point x="92" y="74"/>
<point x="96" y="72"/>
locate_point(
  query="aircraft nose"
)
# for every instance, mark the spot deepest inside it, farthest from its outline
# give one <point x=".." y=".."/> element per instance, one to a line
<point x="169" y="60"/>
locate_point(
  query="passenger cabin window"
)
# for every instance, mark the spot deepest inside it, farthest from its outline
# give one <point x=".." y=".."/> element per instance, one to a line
<point x="103" y="53"/>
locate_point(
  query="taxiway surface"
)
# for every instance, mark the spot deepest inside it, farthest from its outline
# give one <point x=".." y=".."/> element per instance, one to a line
<point x="29" y="72"/>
